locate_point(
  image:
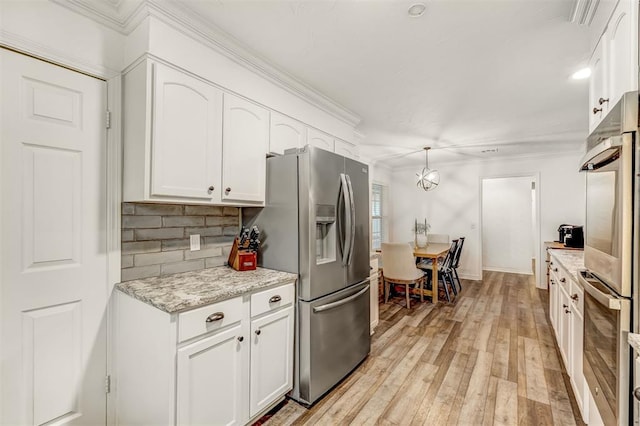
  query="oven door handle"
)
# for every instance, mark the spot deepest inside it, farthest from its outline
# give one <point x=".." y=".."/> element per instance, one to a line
<point x="606" y="300"/>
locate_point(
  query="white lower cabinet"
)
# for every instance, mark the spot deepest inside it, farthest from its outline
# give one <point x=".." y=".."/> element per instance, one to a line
<point x="271" y="358"/>
<point x="566" y="306"/>
<point x="220" y="364"/>
<point x="210" y="376"/>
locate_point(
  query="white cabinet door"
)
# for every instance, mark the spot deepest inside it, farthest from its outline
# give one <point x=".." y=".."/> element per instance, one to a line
<point x="244" y="148"/>
<point x="564" y="322"/>
<point x="553" y="303"/>
<point x="577" y="376"/>
<point x="320" y="139"/>
<point x="271" y="358"/>
<point x="347" y="149"/>
<point x="210" y="380"/>
<point x="597" y="105"/>
<point x="622" y="50"/>
<point x="186" y="136"/>
<point x="285" y="133"/>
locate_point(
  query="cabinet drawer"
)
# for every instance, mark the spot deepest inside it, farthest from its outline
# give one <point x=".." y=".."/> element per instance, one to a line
<point x="271" y="299"/>
<point x="209" y="318"/>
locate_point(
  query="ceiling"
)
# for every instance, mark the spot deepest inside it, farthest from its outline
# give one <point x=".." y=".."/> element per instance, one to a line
<point x="464" y="77"/>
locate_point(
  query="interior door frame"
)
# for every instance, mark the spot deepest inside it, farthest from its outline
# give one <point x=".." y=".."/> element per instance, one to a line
<point x="535" y="177"/>
<point x="114" y="142"/>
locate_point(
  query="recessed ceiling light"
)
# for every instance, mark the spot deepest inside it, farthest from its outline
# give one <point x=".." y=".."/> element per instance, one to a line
<point x="581" y="74"/>
<point x="416" y="10"/>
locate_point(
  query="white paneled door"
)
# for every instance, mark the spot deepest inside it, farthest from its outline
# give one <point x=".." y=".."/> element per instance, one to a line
<point x="54" y="260"/>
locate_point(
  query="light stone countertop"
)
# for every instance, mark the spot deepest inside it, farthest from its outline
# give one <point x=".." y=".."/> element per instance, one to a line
<point x="634" y="341"/>
<point x="188" y="290"/>
<point x="571" y="260"/>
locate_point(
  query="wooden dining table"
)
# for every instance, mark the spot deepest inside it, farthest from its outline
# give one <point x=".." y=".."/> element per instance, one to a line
<point x="432" y="251"/>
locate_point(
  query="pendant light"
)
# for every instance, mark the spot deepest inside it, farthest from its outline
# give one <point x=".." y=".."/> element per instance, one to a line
<point x="428" y="179"/>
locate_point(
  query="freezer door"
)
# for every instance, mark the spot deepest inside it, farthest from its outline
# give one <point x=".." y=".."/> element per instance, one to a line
<point x="321" y="239"/>
<point x="358" y="178"/>
<point x="333" y="339"/>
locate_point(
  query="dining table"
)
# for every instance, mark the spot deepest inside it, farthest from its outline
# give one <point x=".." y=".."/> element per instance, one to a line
<point x="432" y="251"/>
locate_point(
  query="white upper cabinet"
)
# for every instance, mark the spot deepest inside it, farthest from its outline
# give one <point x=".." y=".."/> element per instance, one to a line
<point x="347" y="149"/>
<point x="614" y="63"/>
<point x="285" y="133"/>
<point x="187" y="134"/>
<point x="245" y="143"/>
<point x="320" y="139"/>
<point x="597" y="105"/>
<point x="622" y="50"/>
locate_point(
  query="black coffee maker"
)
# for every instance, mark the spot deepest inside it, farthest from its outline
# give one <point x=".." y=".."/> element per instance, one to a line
<point x="571" y="235"/>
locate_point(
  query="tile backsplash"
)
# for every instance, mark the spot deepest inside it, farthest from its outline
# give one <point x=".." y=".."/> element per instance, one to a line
<point x="155" y="238"/>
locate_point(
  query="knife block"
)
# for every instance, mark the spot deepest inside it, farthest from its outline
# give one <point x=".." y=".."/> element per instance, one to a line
<point x="242" y="260"/>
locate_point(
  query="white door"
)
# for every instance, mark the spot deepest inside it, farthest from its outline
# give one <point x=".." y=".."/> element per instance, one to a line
<point x="577" y="339"/>
<point x="553" y="300"/>
<point x="286" y="133"/>
<point x="597" y="105"/>
<point x="187" y="136"/>
<point x="271" y="358"/>
<point x="319" y="139"/>
<point x="244" y="148"/>
<point x="54" y="261"/>
<point x="210" y="380"/>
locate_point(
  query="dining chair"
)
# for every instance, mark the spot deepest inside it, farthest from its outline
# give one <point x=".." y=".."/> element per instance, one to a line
<point x="400" y="268"/>
<point x="456" y="262"/>
<point x="445" y="275"/>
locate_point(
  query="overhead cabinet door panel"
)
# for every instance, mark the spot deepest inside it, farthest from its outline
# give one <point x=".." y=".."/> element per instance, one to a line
<point x="244" y="149"/>
<point x="187" y="131"/>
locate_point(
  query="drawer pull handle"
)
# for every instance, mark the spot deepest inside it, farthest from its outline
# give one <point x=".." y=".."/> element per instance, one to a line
<point x="258" y="332"/>
<point x="575" y="296"/>
<point x="275" y="299"/>
<point x="562" y="280"/>
<point x="215" y="317"/>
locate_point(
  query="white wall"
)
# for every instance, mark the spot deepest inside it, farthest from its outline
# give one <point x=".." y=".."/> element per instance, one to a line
<point x="454" y="207"/>
<point x="507" y="234"/>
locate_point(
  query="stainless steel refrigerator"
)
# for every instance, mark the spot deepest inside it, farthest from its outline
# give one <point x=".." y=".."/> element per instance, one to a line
<point x="316" y="223"/>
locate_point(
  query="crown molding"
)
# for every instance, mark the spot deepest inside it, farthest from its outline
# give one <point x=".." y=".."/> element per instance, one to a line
<point x="125" y="15"/>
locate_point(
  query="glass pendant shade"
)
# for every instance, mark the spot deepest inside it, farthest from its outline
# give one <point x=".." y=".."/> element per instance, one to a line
<point x="428" y="179"/>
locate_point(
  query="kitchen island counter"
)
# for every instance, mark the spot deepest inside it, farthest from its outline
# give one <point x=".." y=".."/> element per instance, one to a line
<point x="180" y="292"/>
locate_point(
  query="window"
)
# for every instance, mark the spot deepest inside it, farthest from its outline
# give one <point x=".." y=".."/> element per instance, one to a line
<point x="378" y="216"/>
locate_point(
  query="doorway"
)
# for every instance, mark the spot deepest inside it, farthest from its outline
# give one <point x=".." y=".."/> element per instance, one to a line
<point x="510" y="224"/>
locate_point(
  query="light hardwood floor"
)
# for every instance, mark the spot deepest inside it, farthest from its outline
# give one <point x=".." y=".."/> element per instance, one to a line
<point x="488" y="358"/>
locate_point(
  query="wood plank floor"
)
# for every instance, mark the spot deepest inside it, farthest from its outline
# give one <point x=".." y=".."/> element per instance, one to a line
<point x="489" y="358"/>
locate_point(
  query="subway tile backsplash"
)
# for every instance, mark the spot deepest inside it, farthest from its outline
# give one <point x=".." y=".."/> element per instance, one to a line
<point x="155" y="238"/>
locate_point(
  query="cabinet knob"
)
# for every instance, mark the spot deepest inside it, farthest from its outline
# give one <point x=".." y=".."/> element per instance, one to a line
<point x="566" y="311"/>
<point x="565" y="306"/>
<point x="258" y="332"/>
<point x="555" y="269"/>
<point x="240" y="338"/>
<point x="596" y="110"/>
<point x="215" y="317"/>
<point x="575" y="296"/>
<point x="562" y="280"/>
<point x="227" y="190"/>
<point x="602" y="100"/>
<point x="552" y="282"/>
<point x="275" y="299"/>
<point x="211" y="188"/>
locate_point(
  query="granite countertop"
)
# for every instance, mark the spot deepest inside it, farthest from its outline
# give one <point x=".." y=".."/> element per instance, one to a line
<point x="571" y="260"/>
<point x="634" y="341"/>
<point x="188" y="290"/>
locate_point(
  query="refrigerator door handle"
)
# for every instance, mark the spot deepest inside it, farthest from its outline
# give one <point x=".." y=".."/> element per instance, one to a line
<point x="346" y="202"/>
<point x="352" y="213"/>
<point x="340" y="302"/>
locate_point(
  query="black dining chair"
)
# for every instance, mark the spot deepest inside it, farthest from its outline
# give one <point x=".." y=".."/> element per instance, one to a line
<point x="445" y="275"/>
<point x="456" y="261"/>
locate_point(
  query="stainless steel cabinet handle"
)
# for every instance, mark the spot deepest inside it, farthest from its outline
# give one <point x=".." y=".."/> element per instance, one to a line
<point x="215" y="317"/>
<point x="562" y="280"/>
<point x="636" y="393"/>
<point x="240" y="338"/>
<point x="596" y="110"/>
<point x="602" y="100"/>
<point x="275" y="299"/>
<point x="211" y="188"/>
<point x="258" y="332"/>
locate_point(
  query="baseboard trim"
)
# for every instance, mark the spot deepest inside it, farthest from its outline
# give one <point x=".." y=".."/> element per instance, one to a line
<point x="507" y="270"/>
